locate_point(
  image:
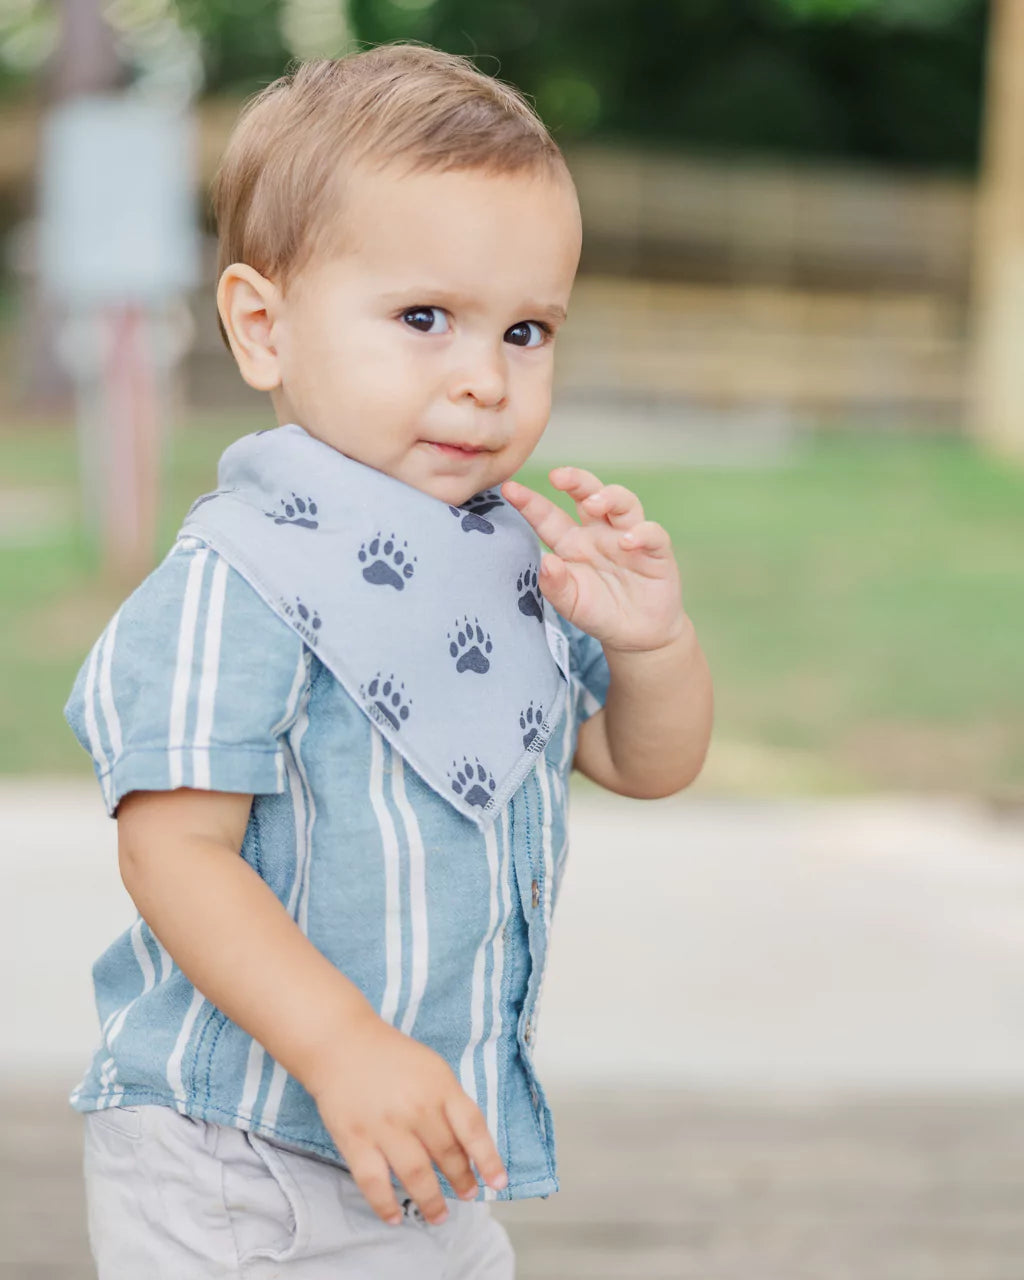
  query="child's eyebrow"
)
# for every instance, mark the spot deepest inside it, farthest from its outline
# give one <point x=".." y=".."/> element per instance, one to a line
<point x="546" y="311"/>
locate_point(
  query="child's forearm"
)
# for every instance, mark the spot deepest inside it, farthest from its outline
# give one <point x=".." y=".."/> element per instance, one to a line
<point x="658" y="714"/>
<point x="233" y="939"/>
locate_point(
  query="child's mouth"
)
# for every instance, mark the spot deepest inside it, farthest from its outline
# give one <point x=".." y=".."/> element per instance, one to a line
<point x="455" y="450"/>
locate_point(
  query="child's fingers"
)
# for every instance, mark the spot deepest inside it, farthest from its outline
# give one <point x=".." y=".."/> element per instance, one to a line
<point x="470" y="1128"/>
<point x="410" y="1161"/>
<point x="370" y="1170"/>
<point x="580" y="485"/>
<point x="547" y="519"/>
<point x="616" y="504"/>
<point x="648" y="536"/>
<point x="447" y="1153"/>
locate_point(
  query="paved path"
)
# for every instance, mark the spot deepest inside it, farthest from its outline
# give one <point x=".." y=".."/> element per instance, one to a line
<point x="670" y="1185"/>
<point x="782" y="1039"/>
<point x="864" y="943"/>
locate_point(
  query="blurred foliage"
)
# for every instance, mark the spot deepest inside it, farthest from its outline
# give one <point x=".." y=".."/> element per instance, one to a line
<point x="861" y="603"/>
<point x="927" y="14"/>
<point x="893" y="81"/>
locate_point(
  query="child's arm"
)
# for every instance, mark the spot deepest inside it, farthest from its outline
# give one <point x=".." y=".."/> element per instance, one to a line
<point x="614" y="576"/>
<point x="385" y="1098"/>
<point x="651" y="736"/>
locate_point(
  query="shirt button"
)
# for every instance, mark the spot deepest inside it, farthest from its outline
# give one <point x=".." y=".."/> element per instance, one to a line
<point x="533" y="1096"/>
<point x="536" y="893"/>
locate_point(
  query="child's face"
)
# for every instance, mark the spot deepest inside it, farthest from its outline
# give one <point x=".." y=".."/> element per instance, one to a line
<point x="428" y="328"/>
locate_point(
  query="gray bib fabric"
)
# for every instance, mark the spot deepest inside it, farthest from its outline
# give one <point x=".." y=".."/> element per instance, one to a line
<point x="429" y="615"/>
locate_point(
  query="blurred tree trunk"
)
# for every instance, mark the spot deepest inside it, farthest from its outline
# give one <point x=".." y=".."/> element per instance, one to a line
<point x="85" y="61"/>
<point x="997" y="408"/>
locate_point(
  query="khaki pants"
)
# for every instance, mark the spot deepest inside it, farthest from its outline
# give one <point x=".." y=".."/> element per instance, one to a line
<point x="173" y="1198"/>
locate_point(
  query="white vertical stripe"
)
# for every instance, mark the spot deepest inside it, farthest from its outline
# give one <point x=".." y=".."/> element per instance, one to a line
<point x="301" y="671"/>
<point x="300" y="896"/>
<point x="467" y="1075"/>
<point x="257" y="1054"/>
<point x="565" y="759"/>
<point x="589" y="702"/>
<point x="546" y="900"/>
<point x="253" y="1075"/>
<point x="115" y="1022"/>
<point x="106" y="1096"/>
<point x="546" y="819"/>
<point x="392" y="875"/>
<point x="417" y="894"/>
<point x="183" y="669"/>
<point x="166" y="963"/>
<point x="298" y="794"/>
<point x="208" y="679"/>
<point x="497" y="976"/>
<point x="107" y="690"/>
<point x="299" y="789"/>
<point x="275" y="1092"/>
<point x="91" y="723"/>
<point x="174" y="1076"/>
<point x="563" y="783"/>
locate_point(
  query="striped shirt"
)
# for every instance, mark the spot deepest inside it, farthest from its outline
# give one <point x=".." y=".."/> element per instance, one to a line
<point x="196" y="682"/>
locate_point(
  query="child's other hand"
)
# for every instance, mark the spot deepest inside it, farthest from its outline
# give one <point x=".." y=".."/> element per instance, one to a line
<point x="388" y="1100"/>
<point x="612" y="575"/>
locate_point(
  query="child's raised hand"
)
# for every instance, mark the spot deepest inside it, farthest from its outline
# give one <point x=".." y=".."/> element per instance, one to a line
<point x="389" y="1101"/>
<point x="612" y="575"/>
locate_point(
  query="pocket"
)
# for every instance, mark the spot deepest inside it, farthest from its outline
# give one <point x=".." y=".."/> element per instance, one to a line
<point x="124" y="1121"/>
<point x="268" y="1212"/>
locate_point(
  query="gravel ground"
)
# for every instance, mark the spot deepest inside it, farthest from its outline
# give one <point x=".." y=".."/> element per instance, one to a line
<point x="670" y="1185"/>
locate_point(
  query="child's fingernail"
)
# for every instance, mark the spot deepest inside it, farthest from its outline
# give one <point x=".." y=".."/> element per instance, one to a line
<point x="499" y="1181"/>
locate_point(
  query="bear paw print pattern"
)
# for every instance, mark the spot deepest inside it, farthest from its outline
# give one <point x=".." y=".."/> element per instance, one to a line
<point x="530" y="722"/>
<point x="387" y="698"/>
<point x="385" y="563"/>
<point x="469" y="646"/>
<point x="473" y="783"/>
<point x="306" y="619"/>
<point x="529" y="597"/>
<point x="298" y="511"/>
<point x="472" y="512"/>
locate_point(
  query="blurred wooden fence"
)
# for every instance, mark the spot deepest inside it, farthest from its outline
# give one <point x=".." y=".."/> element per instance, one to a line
<point x="828" y="292"/>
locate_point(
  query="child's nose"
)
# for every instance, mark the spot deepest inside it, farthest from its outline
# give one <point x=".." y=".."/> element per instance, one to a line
<point x="483" y="376"/>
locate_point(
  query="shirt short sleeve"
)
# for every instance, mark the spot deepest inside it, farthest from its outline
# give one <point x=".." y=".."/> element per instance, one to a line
<point x="588" y="670"/>
<point x="193" y="683"/>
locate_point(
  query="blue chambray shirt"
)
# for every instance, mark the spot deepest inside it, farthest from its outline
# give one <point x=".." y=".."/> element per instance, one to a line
<point x="196" y="682"/>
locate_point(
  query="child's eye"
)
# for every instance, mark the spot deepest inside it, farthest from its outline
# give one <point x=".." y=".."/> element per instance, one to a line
<point x="523" y="325"/>
<point x="422" y="314"/>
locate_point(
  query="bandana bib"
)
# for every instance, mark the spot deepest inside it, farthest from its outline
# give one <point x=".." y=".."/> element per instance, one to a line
<point x="428" y="615"/>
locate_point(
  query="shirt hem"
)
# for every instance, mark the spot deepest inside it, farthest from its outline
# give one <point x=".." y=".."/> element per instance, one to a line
<point x="542" y="1187"/>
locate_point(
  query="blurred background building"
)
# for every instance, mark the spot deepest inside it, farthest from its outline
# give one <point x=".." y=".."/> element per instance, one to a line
<point x="798" y="334"/>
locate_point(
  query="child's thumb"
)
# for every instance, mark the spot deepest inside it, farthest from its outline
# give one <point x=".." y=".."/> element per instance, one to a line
<point x="554" y="579"/>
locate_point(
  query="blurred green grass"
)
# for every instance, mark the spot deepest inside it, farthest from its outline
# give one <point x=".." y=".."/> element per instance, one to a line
<point x="861" y="606"/>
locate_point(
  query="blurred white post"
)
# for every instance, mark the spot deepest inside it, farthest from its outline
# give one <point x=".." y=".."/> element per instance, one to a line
<point x="118" y="247"/>
<point x="997" y="400"/>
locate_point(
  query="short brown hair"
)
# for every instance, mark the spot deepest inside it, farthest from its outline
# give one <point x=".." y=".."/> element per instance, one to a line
<point x="402" y="100"/>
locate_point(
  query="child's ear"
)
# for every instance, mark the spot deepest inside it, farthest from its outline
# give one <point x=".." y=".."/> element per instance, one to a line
<point x="248" y="303"/>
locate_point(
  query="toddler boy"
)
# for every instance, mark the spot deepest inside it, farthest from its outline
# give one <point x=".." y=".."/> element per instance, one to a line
<point x="317" y="1037"/>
